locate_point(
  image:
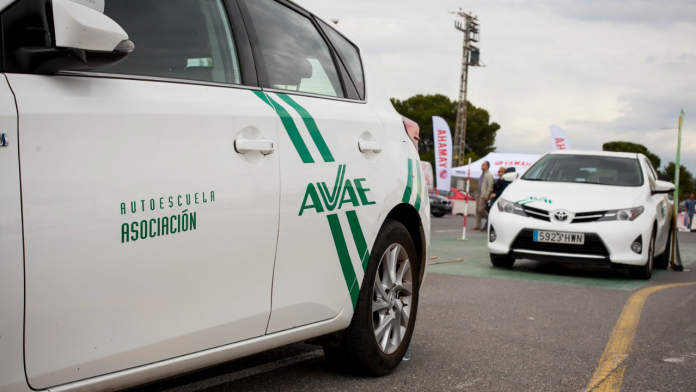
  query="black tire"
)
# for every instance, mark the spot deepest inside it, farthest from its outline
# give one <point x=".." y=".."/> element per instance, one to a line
<point x="662" y="261"/>
<point x="438" y="214"/>
<point x="645" y="272"/>
<point x="358" y="352"/>
<point x="502" y="261"/>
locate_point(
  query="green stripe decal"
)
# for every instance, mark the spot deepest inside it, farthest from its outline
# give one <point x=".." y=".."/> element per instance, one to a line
<point x="290" y="127"/>
<point x="344" y="258"/>
<point x="359" y="238"/>
<point x="311" y="127"/>
<point x="418" y="194"/>
<point x="263" y="97"/>
<point x="409" y="183"/>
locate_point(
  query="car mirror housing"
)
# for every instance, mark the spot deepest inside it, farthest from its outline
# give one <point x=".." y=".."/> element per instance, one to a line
<point x="509" y="177"/>
<point x="48" y="36"/>
<point x="662" y="187"/>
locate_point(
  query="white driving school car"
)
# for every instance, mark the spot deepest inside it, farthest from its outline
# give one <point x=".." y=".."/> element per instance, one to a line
<point x="601" y="208"/>
<point x="186" y="182"/>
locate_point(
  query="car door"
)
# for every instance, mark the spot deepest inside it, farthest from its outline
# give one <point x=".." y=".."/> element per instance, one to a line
<point x="333" y="163"/>
<point x="150" y="198"/>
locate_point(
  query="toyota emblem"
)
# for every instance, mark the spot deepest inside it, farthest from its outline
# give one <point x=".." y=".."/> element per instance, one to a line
<point x="561" y="215"/>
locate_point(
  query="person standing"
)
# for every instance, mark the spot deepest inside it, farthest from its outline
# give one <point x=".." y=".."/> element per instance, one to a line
<point x="485" y="187"/>
<point x="690" y="205"/>
<point x="499" y="185"/>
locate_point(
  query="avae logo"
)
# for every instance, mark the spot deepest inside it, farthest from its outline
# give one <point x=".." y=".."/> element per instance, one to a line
<point x="344" y="192"/>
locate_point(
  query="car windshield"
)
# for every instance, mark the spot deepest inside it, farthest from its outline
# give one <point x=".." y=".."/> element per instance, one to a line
<point x="590" y="169"/>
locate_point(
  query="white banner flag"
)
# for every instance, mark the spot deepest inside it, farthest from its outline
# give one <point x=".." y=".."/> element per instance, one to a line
<point x="443" y="153"/>
<point x="559" y="138"/>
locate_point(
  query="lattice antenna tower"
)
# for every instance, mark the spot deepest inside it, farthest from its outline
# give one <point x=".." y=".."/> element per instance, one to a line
<point x="469" y="25"/>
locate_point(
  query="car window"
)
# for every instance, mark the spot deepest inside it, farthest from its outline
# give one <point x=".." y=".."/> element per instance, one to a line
<point x="351" y="56"/>
<point x="296" y="56"/>
<point x="591" y="169"/>
<point x="651" y="170"/>
<point x="182" y="39"/>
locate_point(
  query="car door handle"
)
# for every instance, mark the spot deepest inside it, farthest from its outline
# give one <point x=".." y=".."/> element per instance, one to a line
<point x="373" y="146"/>
<point x="264" y="146"/>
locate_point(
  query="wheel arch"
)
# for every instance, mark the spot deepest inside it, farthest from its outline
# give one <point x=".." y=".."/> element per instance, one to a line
<point x="409" y="217"/>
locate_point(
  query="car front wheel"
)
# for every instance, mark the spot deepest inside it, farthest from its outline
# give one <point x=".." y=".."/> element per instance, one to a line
<point x="503" y="261"/>
<point x="385" y="315"/>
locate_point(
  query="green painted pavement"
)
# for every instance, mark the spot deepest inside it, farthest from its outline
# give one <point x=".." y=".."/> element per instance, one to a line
<point x="477" y="263"/>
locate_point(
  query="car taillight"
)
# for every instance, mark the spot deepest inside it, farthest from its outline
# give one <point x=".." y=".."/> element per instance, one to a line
<point x="412" y="130"/>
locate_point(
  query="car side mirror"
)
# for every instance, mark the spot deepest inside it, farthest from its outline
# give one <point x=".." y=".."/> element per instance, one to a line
<point x="509" y="177"/>
<point x="662" y="187"/>
<point x="47" y="36"/>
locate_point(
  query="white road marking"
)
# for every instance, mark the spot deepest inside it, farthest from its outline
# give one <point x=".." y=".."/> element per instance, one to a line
<point x="448" y="231"/>
<point x="680" y="359"/>
<point x="253" y="371"/>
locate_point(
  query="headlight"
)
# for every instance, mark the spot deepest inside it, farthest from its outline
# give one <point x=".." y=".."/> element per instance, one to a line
<point x="510" y="207"/>
<point x="622" y="215"/>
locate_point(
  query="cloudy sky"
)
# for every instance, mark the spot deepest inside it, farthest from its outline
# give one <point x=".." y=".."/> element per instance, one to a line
<point x="602" y="70"/>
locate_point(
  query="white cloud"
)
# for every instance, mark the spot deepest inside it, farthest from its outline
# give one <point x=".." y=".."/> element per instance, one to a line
<point x="603" y="70"/>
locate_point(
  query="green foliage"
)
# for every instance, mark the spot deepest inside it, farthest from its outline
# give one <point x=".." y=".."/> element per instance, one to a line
<point x="474" y="157"/>
<point x="633" y="147"/>
<point x="480" y="132"/>
<point x="686" y="180"/>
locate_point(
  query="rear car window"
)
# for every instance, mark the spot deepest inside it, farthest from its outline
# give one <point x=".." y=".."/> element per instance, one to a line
<point x="296" y="56"/>
<point x="590" y="169"/>
<point x="350" y="55"/>
<point x="181" y="39"/>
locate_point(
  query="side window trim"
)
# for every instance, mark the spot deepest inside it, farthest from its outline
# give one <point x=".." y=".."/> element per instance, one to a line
<point x="261" y="71"/>
<point x="651" y="170"/>
<point x="257" y="54"/>
<point x="242" y="41"/>
<point x="343" y="60"/>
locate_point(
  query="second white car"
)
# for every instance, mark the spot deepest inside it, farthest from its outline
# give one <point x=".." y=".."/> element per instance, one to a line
<point x="599" y="208"/>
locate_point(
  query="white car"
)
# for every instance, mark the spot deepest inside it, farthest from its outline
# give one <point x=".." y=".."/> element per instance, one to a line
<point x="601" y="208"/>
<point x="186" y="182"/>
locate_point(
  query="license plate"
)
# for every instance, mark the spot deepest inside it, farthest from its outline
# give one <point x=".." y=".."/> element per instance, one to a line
<point x="559" y="238"/>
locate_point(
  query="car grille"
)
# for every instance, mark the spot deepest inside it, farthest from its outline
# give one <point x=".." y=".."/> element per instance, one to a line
<point x="584" y="217"/>
<point x="581" y="217"/>
<point x="593" y="245"/>
<point x="537" y="213"/>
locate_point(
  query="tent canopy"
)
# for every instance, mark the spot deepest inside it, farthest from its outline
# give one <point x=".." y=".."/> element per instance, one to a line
<point x="521" y="162"/>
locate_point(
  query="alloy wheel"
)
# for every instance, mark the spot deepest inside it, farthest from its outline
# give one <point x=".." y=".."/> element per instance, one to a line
<point x="391" y="298"/>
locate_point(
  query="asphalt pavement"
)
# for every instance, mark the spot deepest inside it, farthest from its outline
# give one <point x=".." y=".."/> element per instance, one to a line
<point x="536" y="327"/>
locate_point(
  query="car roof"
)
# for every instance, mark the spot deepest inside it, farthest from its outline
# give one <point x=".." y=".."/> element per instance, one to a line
<point x="596" y="153"/>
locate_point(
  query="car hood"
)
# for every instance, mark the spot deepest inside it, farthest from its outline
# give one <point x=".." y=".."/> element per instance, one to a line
<point x="573" y="197"/>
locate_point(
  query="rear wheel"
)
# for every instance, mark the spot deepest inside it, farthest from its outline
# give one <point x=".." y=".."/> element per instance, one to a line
<point x="645" y="272"/>
<point x="385" y="315"/>
<point x="503" y="261"/>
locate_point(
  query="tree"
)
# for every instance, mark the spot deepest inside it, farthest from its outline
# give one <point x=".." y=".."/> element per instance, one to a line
<point x="480" y="132"/>
<point x="686" y="180"/>
<point x="633" y="147"/>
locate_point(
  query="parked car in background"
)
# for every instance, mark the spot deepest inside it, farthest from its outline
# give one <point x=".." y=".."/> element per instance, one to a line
<point x="439" y="205"/>
<point x="454" y="194"/>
